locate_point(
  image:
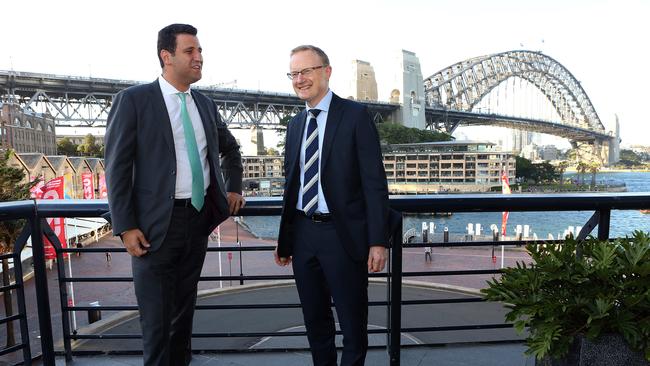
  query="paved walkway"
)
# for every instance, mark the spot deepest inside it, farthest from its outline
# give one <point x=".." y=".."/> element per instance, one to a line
<point x="254" y="263"/>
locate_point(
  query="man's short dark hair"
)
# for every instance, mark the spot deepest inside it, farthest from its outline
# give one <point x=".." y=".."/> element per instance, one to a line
<point x="167" y="37"/>
<point x="318" y="51"/>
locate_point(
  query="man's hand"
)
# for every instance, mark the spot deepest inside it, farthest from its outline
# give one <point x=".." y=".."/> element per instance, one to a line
<point x="376" y="258"/>
<point x="281" y="261"/>
<point x="135" y="242"/>
<point x="235" y="202"/>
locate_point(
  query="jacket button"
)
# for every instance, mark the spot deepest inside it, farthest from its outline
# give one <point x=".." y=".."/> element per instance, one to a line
<point x="173" y="172"/>
<point x="171" y="197"/>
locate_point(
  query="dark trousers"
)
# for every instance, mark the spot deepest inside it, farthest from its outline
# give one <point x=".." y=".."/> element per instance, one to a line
<point x="325" y="271"/>
<point x="165" y="286"/>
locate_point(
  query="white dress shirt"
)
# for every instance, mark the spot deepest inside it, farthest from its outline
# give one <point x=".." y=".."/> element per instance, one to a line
<point x="324" y="106"/>
<point x="183" y="169"/>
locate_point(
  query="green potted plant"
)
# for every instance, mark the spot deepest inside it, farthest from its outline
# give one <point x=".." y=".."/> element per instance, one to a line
<point x="578" y="295"/>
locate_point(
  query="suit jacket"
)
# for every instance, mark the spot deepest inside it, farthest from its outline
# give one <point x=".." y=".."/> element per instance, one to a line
<point x="352" y="176"/>
<point x="141" y="162"/>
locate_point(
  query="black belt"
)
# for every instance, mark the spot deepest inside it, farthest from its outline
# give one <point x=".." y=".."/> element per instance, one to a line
<point x="182" y="202"/>
<point x="316" y="216"/>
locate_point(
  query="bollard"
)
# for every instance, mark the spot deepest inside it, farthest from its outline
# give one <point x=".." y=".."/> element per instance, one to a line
<point x="446" y="235"/>
<point x="94" y="315"/>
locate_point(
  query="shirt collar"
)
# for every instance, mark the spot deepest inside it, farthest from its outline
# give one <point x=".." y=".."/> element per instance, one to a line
<point x="324" y="104"/>
<point x="169" y="89"/>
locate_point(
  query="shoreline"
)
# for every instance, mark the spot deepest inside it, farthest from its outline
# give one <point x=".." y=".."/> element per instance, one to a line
<point x="612" y="170"/>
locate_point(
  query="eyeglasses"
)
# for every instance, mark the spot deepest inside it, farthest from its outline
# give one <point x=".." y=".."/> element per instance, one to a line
<point x="304" y="72"/>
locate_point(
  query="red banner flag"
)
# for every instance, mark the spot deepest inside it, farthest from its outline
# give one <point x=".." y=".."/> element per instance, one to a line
<point x="505" y="188"/>
<point x="88" y="186"/>
<point x="37" y="190"/>
<point x="53" y="190"/>
<point x="102" y="186"/>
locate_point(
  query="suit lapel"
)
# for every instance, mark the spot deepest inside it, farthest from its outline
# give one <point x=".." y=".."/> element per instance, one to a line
<point x="208" y="122"/>
<point x="296" y="140"/>
<point x="334" y="116"/>
<point x="161" y="116"/>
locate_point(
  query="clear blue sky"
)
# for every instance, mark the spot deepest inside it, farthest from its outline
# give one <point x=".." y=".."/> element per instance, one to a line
<point x="603" y="43"/>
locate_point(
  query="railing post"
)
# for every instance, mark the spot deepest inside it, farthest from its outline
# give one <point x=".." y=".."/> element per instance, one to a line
<point x="20" y="293"/>
<point x="63" y="296"/>
<point x="394" y="338"/>
<point x="603" y="224"/>
<point x="42" y="296"/>
<point x="20" y="301"/>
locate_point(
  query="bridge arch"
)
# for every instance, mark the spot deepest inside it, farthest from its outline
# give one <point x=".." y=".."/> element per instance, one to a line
<point x="463" y="85"/>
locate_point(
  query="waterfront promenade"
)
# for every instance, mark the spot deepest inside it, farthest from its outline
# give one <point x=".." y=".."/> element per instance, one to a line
<point x="258" y="263"/>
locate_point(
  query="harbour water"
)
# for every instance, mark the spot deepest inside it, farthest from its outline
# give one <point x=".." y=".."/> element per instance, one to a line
<point x="541" y="223"/>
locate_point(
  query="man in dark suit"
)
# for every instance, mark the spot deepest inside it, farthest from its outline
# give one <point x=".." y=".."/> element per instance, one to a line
<point x="174" y="173"/>
<point x="334" y="220"/>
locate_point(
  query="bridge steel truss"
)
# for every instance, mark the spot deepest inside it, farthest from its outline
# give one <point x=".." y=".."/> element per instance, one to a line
<point x="461" y="86"/>
<point x="85" y="102"/>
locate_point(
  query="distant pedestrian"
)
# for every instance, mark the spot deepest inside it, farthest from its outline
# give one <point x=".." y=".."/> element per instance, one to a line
<point x="427" y="254"/>
<point x="109" y="257"/>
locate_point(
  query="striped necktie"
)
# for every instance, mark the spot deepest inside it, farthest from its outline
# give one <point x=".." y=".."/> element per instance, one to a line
<point x="312" y="167"/>
<point x="198" y="189"/>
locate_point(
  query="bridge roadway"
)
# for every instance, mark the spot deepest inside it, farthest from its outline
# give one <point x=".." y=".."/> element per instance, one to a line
<point x="237" y="106"/>
<point x="69" y="95"/>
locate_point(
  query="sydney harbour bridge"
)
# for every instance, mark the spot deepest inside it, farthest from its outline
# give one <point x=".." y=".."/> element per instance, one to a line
<point x="452" y="98"/>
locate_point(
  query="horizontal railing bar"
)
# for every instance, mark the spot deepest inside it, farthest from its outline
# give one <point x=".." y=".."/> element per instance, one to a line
<point x="452" y="273"/>
<point x="8" y="256"/>
<point x="96" y="279"/>
<point x="287" y="277"/>
<point x="11" y="349"/>
<point x="443" y="301"/>
<point x="11" y="318"/>
<point x="439" y="344"/>
<point x="296" y="333"/>
<point x="9" y="287"/>
<point x="274" y="306"/>
<point x="456" y="327"/>
<point x="232" y="248"/>
<point x="206" y="278"/>
<point x="265" y="206"/>
<point x="479" y="243"/>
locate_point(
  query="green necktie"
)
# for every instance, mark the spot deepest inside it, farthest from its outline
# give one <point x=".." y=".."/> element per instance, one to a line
<point x="198" y="190"/>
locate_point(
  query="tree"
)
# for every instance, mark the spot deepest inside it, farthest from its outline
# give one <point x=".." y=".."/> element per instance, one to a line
<point x="537" y="173"/>
<point x="629" y="159"/>
<point x="66" y="147"/>
<point x="582" y="168"/>
<point x="395" y="133"/>
<point x="12" y="188"/>
<point x="524" y="168"/>
<point x="561" y="168"/>
<point x="544" y="172"/>
<point x="90" y="147"/>
<point x="284" y="122"/>
<point x="593" y="168"/>
<point x="272" y="152"/>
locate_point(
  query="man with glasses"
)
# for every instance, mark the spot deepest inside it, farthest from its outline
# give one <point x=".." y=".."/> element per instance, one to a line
<point x="333" y="228"/>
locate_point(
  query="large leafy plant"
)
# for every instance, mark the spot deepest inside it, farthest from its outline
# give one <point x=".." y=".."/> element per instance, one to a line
<point x="585" y="288"/>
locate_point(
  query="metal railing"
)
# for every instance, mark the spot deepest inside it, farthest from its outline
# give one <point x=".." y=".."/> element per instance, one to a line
<point x="35" y="213"/>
